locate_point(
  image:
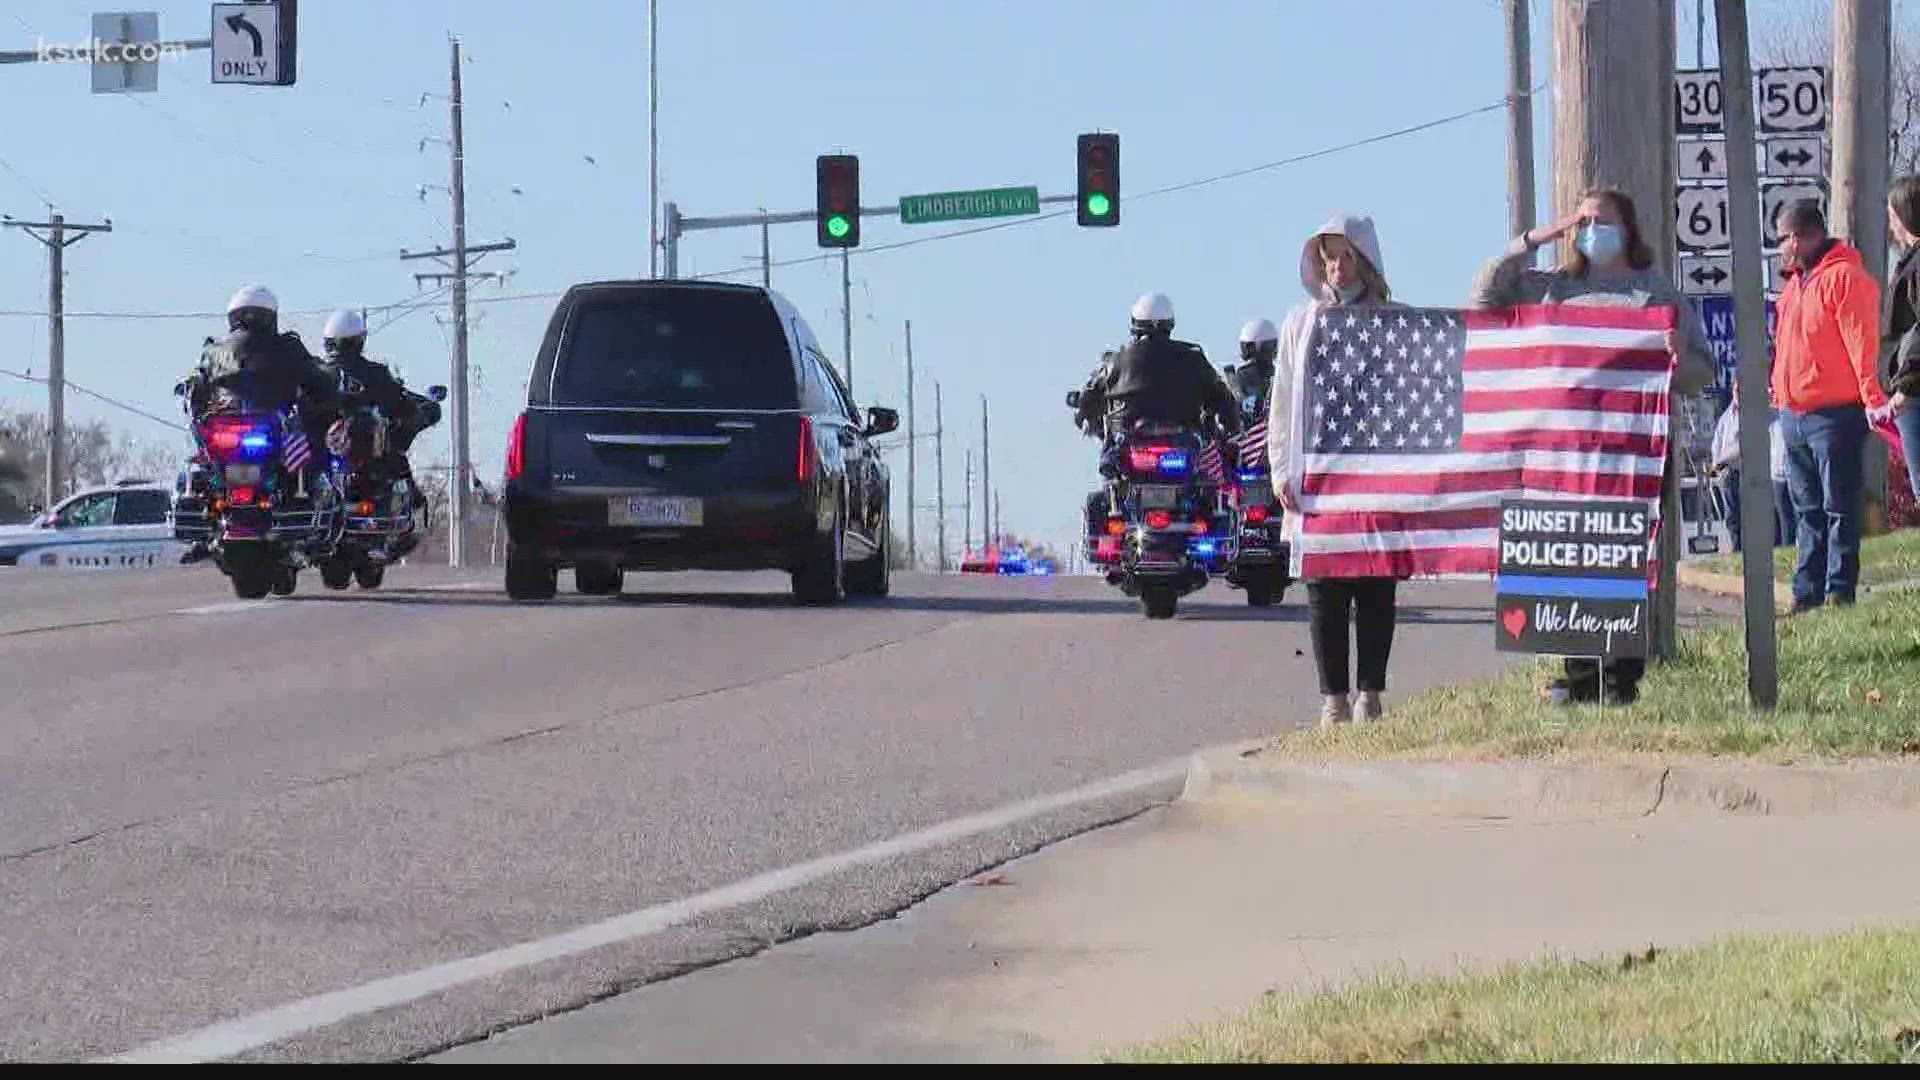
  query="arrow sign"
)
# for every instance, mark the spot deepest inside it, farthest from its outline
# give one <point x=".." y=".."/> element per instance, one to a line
<point x="1795" y="156"/>
<point x="1708" y="275"/>
<point x="239" y="23"/>
<point x="1701" y="159"/>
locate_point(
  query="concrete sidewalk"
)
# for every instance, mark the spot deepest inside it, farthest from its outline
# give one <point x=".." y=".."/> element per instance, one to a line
<point x="1193" y="911"/>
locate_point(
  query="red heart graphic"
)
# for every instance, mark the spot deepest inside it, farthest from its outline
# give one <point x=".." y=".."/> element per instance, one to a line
<point x="1515" y="620"/>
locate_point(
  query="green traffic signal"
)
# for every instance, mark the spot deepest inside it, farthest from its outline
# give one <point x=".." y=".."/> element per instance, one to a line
<point x="1098" y="205"/>
<point x="838" y="226"/>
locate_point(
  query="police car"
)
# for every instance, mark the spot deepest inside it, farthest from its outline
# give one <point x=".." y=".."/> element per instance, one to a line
<point x="119" y="526"/>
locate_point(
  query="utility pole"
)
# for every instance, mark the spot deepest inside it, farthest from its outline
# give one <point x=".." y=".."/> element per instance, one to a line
<point x="653" y="140"/>
<point x="57" y="242"/>
<point x="1750" y="320"/>
<point x="996" y="517"/>
<point x="1613" y="127"/>
<point x="846" y="318"/>
<point x="986" y="478"/>
<point x="1519" y="119"/>
<point x="1862" y="112"/>
<point x="913" y="507"/>
<point x="966" y="507"/>
<point x="460" y="495"/>
<point x="939" y="476"/>
<point x="766" y="251"/>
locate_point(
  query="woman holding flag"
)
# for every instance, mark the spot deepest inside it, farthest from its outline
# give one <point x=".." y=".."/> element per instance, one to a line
<point x="1340" y="266"/>
<point x="1608" y="263"/>
<point x="1900" y="329"/>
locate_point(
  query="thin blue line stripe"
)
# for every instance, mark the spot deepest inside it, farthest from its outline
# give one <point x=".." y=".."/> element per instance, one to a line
<point x="1578" y="588"/>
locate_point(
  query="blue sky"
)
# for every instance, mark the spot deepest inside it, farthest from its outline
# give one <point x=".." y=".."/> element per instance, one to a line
<point x="312" y="189"/>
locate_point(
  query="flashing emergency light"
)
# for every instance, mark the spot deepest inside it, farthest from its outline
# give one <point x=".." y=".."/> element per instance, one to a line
<point x="1257" y="515"/>
<point x="1159" y="519"/>
<point x="1174" y="461"/>
<point x="1204" y="547"/>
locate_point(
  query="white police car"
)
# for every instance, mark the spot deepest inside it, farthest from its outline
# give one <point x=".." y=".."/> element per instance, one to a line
<point x="121" y="526"/>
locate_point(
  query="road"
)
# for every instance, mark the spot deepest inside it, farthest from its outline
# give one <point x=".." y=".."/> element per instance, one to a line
<point x="349" y="807"/>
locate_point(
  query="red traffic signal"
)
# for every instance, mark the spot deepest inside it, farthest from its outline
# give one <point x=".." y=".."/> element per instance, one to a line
<point x="837" y="200"/>
<point x="1097" y="203"/>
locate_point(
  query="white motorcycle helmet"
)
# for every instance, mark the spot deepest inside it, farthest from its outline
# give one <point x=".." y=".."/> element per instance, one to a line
<point x="254" y="306"/>
<point x="1259" y="338"/>
<point x="346" y="332"/>
<point x="1152" y="313"/>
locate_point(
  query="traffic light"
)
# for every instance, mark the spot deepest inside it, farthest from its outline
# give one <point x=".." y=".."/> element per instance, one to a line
<point x="837" y="203"/>
<point x="1098" y="203"/>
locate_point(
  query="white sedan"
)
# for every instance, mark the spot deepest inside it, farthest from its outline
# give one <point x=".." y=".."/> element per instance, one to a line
<point x="123" y="526"/>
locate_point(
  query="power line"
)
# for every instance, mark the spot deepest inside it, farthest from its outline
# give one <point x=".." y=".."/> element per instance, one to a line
<point x="115" y="402"/>
<point x="897" y="245"/>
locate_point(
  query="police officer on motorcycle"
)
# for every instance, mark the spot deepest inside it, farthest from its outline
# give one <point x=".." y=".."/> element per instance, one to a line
<point x="1259" y="346"/>
<point x="366" y="382"/>
<point x="1154" y="377"/>
<point x="264" y="368"/>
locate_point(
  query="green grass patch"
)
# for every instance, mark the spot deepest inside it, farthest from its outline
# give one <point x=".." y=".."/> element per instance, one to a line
<point x="1845" y="998"/>
<point x="1883" y="559"/>
<point x="1849" y="688"/>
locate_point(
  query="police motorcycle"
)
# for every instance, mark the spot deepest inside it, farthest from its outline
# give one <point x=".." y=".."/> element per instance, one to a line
<point x="244" y="500"/>
<point x="1257" y="556"/>
<point x="383" y="513"/>
<point x="1157" y="540"/>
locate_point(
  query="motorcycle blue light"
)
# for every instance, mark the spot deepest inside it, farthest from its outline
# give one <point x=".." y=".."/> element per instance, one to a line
<point x="1251" y="474"/>
<point x="255" y="441"/>
<point x="1204" y="547"/>
<point x="1174" y="461"/>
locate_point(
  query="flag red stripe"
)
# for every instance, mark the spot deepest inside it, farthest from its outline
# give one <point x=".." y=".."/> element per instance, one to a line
<point x="1400" y="521"/>
<point x="1563" y="357"/>
<point x="1495" y="442"/>
<point x="1528" y="316"/>
<point x="1599" y="485"/>
<point x="1587" y="399"/>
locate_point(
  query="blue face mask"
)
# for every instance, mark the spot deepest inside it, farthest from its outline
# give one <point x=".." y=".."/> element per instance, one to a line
<point x="1601" y="243"/>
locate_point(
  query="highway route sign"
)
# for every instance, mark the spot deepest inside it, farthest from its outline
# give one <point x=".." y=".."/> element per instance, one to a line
<point x="1700" y="218"/>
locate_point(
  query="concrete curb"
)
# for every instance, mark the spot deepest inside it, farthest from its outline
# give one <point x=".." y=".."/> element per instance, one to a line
<point x="1729" y="585"/>
<point x="1524" y="787"/>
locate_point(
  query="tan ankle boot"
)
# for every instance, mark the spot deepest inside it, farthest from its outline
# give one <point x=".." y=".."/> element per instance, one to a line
<point x="1335" y="711"/>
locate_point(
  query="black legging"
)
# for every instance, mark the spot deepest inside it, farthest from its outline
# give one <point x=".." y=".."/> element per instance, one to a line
<point x="1369" y="602"/>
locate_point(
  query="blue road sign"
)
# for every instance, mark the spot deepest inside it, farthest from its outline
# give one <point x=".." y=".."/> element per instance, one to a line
<point x="1717" y="313"/>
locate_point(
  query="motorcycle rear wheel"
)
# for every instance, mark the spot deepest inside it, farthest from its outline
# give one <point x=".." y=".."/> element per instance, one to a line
<point x="252" y="573"/>
<point x="1160" y="603"/>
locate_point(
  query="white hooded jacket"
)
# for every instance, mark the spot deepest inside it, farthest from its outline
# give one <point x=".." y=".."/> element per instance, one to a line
<point x="1282" y="404"/>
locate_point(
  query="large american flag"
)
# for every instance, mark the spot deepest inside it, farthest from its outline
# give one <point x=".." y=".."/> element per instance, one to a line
<point x="1411" y="424"/>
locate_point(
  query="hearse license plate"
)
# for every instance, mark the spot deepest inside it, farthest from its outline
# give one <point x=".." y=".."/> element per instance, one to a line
<point x="1159" y="497"/>
<point x="654" y="510"/>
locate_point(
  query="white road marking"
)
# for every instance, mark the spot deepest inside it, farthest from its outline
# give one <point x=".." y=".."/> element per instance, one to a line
<point x="234" y="1037"/>
<point x="222" y="609"/>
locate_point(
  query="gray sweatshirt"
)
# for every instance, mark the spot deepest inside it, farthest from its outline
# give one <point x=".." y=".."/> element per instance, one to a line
<point x="1509" y="280"/>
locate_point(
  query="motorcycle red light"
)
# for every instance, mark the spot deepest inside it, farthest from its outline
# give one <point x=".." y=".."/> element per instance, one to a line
<point x="242" y="496"/>
<point x="1116" y="526"/>
<point x="1159" y="519"/>
<point x="1143" y="460"/>
<point x="1257" y="515"/>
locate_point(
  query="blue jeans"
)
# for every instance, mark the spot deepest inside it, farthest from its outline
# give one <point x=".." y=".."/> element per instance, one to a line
<point x="1909" y="424"/>
<point x="1825" y="456"/>
<point x="1786" y="522"/>
<point x="1729" y="482"/>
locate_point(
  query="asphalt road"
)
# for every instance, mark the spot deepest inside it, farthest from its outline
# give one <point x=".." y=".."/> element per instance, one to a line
<point x="210" y="810"/>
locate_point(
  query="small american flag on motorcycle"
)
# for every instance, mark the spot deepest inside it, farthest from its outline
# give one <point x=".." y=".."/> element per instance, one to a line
<point x="1253" y="444"/>
<point x="298" y="452"/>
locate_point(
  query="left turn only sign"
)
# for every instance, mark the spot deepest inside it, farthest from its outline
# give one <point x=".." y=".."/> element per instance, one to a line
<point x="253" y="43"/>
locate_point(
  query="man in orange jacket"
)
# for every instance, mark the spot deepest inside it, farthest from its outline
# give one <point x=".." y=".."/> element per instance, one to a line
<point x="1826" y="346"/>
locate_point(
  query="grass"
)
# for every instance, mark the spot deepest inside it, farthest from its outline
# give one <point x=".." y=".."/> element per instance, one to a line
<point x="1849" y="688"/>
<point x="1883" y="559"/>
<point x="1845" y="998"/>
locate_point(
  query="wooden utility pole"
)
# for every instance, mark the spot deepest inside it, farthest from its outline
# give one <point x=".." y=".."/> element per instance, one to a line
<point x="1756" y="522"/>
<point x="940" y="476"/>
<point x="1520" y="192"/>
<point x="913" y="508"/>
<point x="1862" y="98"/>
<point x="57" y="241"/>
<point x="1613" y="127"/>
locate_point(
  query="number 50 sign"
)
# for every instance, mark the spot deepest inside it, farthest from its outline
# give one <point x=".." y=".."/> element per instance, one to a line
<point x="1785" y="99"/>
